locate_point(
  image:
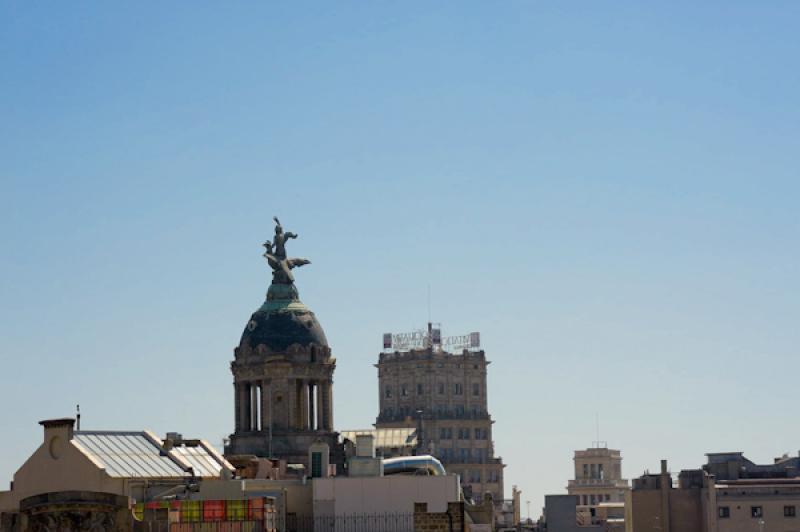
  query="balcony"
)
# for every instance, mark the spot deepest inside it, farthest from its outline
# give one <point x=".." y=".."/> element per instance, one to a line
<point x="412" y="416"/>
<point x="598" y="482"/>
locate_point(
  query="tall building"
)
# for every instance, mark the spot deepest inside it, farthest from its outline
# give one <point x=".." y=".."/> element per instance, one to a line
<point x="598" y="477"/>
<point x="282" y="371"/>
<point x="444" y="396"/>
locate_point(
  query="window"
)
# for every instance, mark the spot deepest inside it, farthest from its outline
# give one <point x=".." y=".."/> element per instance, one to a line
<point x="464" y="455"/>
<point x="458" y="389"/>
<point x="585" y="470"/>
<point x="316" y="465"/>
<point x="584" y="501"/>
<point x="789" y="511"/>
<point x="476" y="388"/>
<point x="388" y="392"/>
<point x="419" y="389"/>
<point x="756" y="511"/>
<point x="493" y="476"/>
<point x="480" y="455"/>
<point x="404" y="390"/>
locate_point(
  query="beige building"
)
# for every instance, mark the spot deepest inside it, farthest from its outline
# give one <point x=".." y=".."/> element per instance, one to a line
<point x="135" y="464"/>
<point x="598" y="479"/>
<point x="444" y="396"/>
<point x="763" y="499"/>
<point x="96" y="475"/>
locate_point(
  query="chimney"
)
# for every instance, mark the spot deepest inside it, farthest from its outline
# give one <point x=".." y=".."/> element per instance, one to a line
<point x="62" y="427"/>
<point x="663" y="467"/>
<point x="57" y="432"/>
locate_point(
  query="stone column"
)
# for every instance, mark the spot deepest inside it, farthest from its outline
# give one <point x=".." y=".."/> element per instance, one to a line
<point x="266" y="405"/>
<point x="247" y="415"/>
<point x="303" y="410"/>
<point x="327" y="405"/>
<point x="290" y="387"/>
<point x="254" y="406"/>
<point x="311" y="405"/>
<point x="320" y="406"/>
<point x="237" y="400"/>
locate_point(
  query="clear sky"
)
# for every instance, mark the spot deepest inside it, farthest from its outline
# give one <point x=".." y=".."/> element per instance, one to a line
<point x="608" y="191"/>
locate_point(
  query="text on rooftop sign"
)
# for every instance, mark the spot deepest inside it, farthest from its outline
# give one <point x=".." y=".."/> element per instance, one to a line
<point x="421" y="339"/>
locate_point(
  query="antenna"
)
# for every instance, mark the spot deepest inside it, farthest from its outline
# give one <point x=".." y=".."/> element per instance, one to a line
<point x="598" y="443"/>
<point x="78" y="416"/>
<point x="429" y="302"/>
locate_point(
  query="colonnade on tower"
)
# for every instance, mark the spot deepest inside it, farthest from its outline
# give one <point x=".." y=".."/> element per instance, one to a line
<point x="309" y="406"/>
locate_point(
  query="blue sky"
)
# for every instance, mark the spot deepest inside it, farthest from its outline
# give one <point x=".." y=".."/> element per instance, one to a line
<point x="607" y="191"/>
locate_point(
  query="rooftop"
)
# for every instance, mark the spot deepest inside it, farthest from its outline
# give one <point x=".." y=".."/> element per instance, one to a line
<point x="386" y="438"/>
<point x="141" y="454"/>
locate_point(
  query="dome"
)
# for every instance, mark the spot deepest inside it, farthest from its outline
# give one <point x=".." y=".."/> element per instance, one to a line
<point x="283" y="321"/>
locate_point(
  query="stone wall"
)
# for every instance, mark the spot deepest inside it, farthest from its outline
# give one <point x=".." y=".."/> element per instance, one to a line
<point x="73" y="510"/>
<point x="450" y="521"/>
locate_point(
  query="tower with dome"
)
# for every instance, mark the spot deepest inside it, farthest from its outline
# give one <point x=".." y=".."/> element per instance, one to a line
<point x="282" y="371"/>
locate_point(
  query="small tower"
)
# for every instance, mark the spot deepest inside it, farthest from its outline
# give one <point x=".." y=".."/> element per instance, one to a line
<point x="283" y="372"/>
<point x="598" y="477"/>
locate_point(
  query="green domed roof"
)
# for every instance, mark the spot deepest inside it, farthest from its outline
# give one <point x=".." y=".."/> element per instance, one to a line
<point x="283" y="320"/>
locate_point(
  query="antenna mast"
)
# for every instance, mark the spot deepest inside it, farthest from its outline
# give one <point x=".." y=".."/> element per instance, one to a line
<point x="598" y="443"/>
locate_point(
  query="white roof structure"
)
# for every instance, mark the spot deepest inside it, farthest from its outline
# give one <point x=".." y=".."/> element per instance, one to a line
<point x="386" y="438"/>
<point x="125" y="454"/>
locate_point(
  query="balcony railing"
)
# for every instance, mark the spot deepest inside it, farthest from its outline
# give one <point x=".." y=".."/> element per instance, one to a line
<point x="615" y="483"/>
<point x="426" y="416"/>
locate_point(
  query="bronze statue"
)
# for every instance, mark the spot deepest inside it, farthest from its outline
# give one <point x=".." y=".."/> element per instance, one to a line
<point x="276" y="256"/>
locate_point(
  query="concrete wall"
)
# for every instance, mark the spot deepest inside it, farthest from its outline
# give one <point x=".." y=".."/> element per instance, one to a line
<point x="658" y="507"/>
<point x="377" y="495"/>
<point x="294" y="496"/>
<point x="57" y="465"/>
<point x="772" y="500"/>
<point x="560" y="514"/>
<point x="685" y="510"/>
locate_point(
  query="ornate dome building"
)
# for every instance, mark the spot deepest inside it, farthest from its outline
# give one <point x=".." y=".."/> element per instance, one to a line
<point x="282" y="371"/>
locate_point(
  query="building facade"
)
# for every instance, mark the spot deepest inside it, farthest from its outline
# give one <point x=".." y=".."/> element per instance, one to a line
<point x="598" y="477"/>
<point x="444" y="396"/>
<point x="283" y="372"/>
<point x="748" y="497"/>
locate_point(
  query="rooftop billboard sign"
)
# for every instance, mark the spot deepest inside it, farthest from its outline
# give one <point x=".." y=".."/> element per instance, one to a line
<point x="421" y="339"/>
